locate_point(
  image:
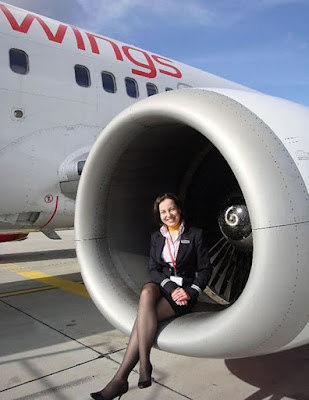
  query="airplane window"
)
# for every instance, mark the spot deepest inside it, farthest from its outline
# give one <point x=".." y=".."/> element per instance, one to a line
<point x="82" y="75"/>
<point x="80" y="167"/>
<point x="151" y="89"/>
<point x="132" y="88"/>
<point x="19" y="61"/>
<point x="167" y="89"/>
<point x="108" y="82"/>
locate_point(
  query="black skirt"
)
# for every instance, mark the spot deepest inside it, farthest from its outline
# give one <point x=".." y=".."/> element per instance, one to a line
<point x="179" y="310"/>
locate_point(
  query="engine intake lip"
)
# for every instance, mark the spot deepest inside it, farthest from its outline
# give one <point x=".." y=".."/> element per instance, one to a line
<point x="272" y="175"/>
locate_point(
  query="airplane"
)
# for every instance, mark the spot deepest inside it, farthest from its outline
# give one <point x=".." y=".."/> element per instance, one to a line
<point x="60" y="88"/>
<point x="94" y="129"/>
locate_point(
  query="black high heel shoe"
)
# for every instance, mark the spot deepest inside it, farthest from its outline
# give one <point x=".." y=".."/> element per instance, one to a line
<point x="99" y="395"/>
<point x="148" y="382"/>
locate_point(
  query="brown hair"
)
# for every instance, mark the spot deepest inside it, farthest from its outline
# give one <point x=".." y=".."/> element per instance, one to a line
<point x="162" y="197"/>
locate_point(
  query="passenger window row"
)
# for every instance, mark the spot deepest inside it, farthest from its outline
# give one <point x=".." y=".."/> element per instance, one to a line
<point x="19" y="63"/>
<point x="82" y="77"/>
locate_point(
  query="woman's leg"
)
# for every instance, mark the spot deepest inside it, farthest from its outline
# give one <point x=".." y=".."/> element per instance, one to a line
<point x="152" y="309"/>
<point x="131" y="357"/>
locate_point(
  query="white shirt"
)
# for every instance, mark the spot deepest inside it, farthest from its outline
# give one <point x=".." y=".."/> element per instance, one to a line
<point x="174" y="245"/>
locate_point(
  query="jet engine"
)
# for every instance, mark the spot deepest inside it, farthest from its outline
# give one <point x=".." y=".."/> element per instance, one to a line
<point x="240" y="162"/>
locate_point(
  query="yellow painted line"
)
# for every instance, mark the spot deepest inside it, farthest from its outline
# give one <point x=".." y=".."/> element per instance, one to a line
<point x="49" y="280"/>
<point x="64" y="284"/>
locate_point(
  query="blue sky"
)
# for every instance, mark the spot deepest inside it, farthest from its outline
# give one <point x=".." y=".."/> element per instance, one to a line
<point x="263" y="44"/>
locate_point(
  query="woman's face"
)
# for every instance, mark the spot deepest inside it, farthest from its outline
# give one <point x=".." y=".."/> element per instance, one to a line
<point x="169" y="213"/>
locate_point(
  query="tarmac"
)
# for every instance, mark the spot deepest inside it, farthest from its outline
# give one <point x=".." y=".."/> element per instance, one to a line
<point x="54" y="343"/>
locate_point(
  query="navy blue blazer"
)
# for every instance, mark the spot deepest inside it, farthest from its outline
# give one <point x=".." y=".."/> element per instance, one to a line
<point x="192" y="263"/>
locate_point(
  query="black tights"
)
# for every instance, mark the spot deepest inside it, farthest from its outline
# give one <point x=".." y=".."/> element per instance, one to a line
<point x="152" y="309"/>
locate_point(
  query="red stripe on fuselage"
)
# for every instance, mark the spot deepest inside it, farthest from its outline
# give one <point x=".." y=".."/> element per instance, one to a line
<point x="53" y="214"/>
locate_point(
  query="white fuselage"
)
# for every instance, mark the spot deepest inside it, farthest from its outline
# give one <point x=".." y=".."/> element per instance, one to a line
<point x="49" y="122"/>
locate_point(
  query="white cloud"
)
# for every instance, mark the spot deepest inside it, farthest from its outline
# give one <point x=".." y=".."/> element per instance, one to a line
<point x="125" y="16"/>
<point x="128" y="16"/>
<point x="122" y="16"/>
<point x="67" y="11"/>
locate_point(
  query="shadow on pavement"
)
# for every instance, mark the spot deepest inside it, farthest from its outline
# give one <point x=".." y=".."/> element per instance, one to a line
<point x="277" y="376"/>
<point x="37" y="256"/>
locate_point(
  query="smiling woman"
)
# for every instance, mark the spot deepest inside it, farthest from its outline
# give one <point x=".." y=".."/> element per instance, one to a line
<point x="167" y="208"/>
<point x="178" y="256"/>
<point x="179" y="269"/>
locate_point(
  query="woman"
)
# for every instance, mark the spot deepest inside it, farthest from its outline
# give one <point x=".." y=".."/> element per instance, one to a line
<point x="179" y="269"/>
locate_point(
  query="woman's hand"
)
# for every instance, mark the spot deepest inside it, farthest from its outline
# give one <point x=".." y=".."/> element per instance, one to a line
<point x="180" y="297"/>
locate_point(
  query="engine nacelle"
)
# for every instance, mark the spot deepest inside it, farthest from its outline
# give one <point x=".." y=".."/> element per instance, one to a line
<point x="226" y="153"/>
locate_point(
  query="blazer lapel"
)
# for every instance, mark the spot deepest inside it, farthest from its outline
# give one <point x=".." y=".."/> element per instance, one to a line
<point x="183" y="247"/>
<point x="159" y="247"/>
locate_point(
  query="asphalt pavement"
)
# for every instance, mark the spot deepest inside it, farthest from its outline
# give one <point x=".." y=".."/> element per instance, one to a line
<point x="54" y="343"/>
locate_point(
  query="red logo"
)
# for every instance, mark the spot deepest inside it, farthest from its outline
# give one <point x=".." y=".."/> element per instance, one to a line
<point x="49" y="198"/>
<point x="149" y="65"/>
